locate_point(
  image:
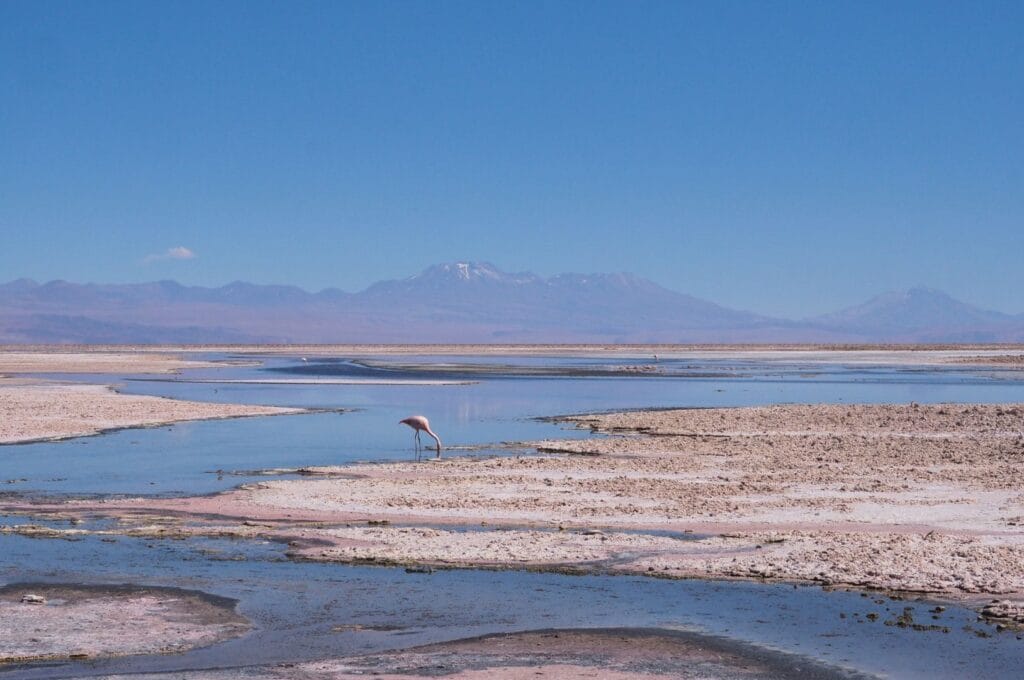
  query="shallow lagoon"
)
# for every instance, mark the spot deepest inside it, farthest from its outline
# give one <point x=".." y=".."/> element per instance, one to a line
<point x="185" y="458"/>
<point x="295" y="604"/>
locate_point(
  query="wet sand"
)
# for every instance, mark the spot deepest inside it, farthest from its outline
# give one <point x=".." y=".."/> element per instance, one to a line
<point x="614" y="654"/>
<point x="48" y="622"/>
<point x="624" y="654"/>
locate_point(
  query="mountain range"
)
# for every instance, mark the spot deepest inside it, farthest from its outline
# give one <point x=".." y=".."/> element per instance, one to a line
<point x="465" y="302"/>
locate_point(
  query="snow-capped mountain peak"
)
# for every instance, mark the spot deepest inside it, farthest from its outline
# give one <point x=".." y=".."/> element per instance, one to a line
<point x="469" y="272"/>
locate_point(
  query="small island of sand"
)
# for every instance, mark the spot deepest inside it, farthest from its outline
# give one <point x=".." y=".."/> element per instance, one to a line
<point x="33" y="408"/>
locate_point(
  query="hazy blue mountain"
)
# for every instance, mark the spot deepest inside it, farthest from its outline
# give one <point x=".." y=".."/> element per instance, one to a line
<point x="464" y="302"/>
<point x="57" y="329"/>
<point x="924" y="315"/>
<point x="63" y="293"/>
<point x="598" y="304"/>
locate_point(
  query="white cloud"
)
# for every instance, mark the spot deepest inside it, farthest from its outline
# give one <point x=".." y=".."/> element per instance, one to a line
<point x="180" y="253"/>
<point x="175" y="253"/>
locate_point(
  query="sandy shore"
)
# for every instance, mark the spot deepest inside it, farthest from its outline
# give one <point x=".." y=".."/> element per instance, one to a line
<point x="51" y="411"/>
<point x="33" y="409"/>
<point x="918" y="498"/>
<point x="901" y="354"/>
<point x="56" y="622"/>
<point x="58" y="360"/>
<point x="904" y="497"/>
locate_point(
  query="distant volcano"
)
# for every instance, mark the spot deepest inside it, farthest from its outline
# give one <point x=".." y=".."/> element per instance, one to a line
<point x="924" y="315"/>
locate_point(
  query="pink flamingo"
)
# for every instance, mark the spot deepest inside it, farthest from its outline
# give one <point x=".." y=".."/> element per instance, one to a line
<point x="421" y="424"/>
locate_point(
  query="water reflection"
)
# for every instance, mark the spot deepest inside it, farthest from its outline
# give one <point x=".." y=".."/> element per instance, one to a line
<point x="496" y="407"/>
<point x="296" y="607"/>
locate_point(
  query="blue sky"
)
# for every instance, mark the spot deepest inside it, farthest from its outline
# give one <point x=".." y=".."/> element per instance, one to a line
<point x="789" y="158"/>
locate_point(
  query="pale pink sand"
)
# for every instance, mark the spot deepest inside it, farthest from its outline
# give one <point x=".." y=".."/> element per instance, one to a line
<point x="78" y="622"/>
<point x="49" y="411"/>
<point x="85" y="360"/>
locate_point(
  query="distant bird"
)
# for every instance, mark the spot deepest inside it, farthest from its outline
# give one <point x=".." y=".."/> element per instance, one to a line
<point x="304" y="359"/>
<point x="421" y="424"/>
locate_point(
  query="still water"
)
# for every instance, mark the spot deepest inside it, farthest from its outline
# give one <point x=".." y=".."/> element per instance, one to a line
<point x="495" y="402"/>
<point x="295" y="605"/>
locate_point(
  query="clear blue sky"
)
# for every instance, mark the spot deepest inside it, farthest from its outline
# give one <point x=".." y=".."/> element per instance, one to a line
<point x="789" y="158"/>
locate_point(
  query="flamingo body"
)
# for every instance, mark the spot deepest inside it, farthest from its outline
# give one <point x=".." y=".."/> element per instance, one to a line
<point x="421" y="424"/>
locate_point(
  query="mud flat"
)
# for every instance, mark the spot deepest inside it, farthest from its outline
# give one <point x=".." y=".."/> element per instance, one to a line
<point x="55" y="411"/>
<point x="907" y="498"/>
<point x="923" y="498"/>
<point x="627" y="654"/>
<point x="901" y="354"/>
<point x="854" y="353"/>
<point x="616" y="654"/>
<point x="1002" y="360"/>
<point x="42" y="622"/>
